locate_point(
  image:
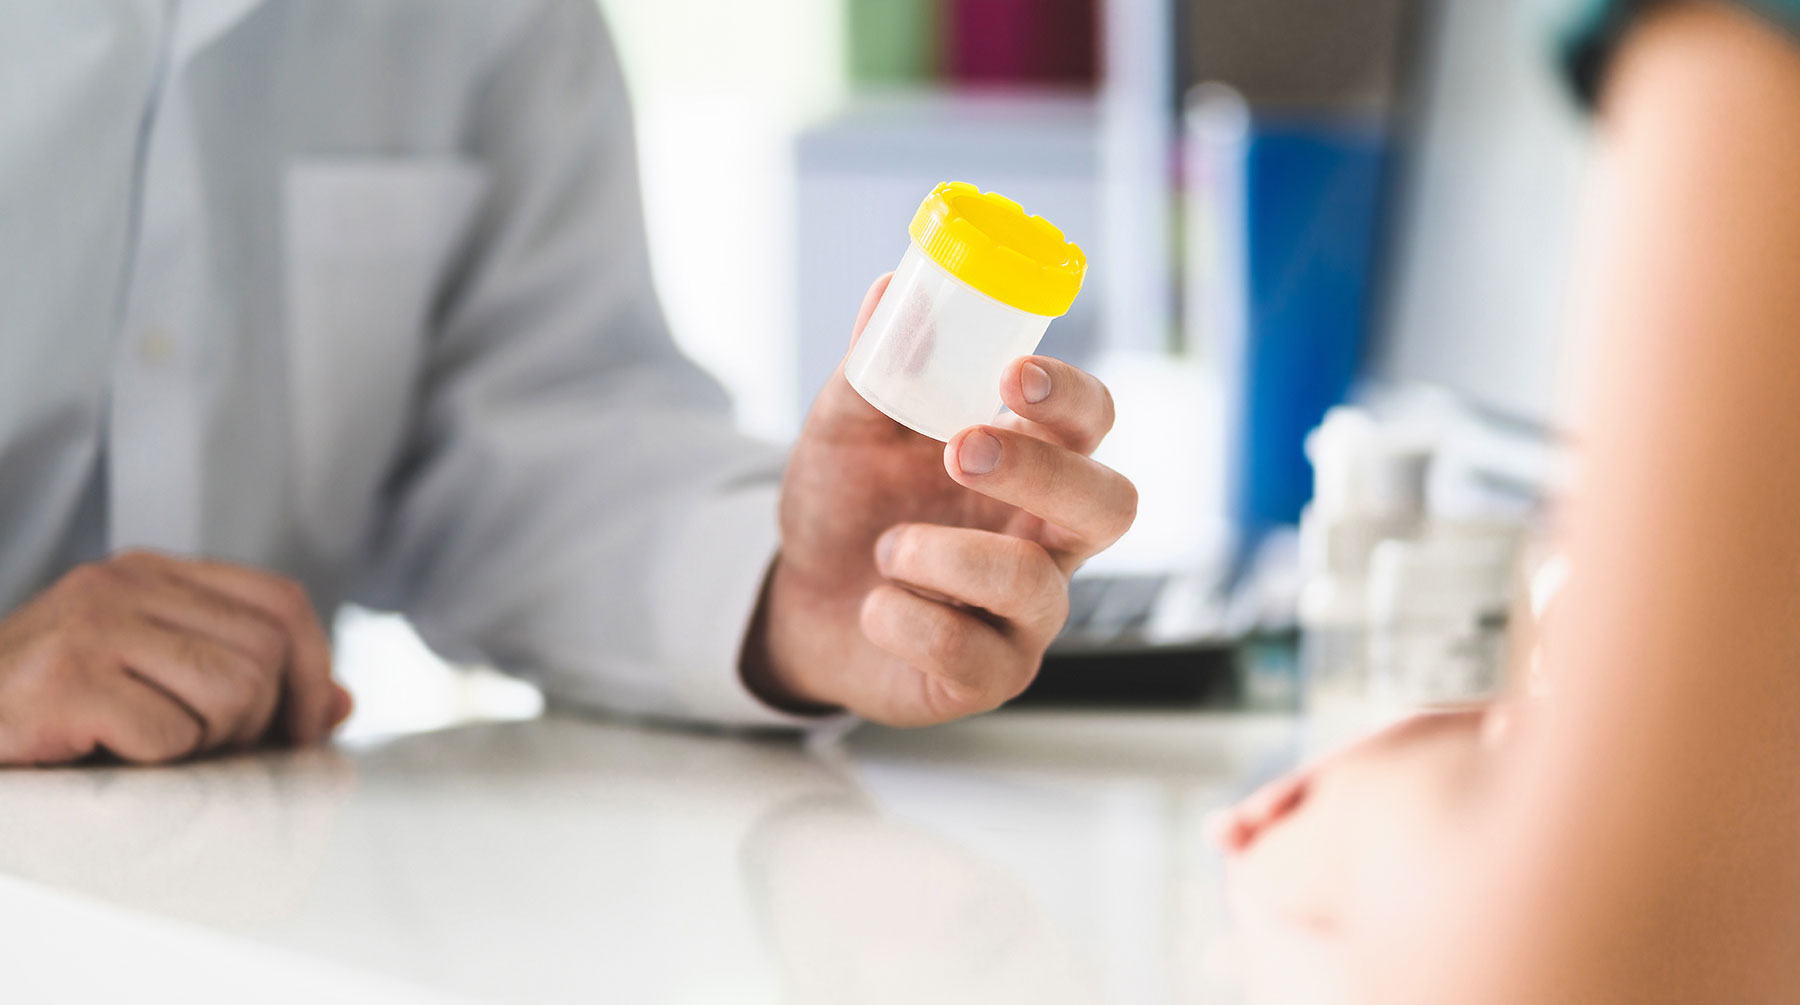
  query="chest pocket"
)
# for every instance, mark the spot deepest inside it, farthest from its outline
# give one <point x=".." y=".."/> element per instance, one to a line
<point x="368" y="241"/>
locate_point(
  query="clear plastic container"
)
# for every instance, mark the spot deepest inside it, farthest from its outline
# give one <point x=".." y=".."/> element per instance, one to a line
<point x="976" y="289"/>
<point x="934" y="349"/>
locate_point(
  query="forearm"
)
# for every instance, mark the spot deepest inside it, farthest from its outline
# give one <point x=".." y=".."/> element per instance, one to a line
<point x="1642" y="842"/>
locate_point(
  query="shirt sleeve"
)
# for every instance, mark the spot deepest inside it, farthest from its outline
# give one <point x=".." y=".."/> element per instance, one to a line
<point x="574" y="505"/>
<point x="1596" y="27"/>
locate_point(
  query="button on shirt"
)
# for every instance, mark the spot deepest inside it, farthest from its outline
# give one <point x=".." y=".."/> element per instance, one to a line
<point x="358" y="293"/>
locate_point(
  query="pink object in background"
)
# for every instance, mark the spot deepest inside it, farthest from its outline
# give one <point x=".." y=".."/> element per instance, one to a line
<point x="1021" y="41"/>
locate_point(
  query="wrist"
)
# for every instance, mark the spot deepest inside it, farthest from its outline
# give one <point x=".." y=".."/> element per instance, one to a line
<point x="774" y="660"/>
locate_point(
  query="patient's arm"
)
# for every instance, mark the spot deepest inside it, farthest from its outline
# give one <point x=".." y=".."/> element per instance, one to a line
<point x="1635" y="837"/>
<point x="1644" y="842"/>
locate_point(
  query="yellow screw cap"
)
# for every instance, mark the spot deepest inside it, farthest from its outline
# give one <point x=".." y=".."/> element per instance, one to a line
<point x="987" y="241"/>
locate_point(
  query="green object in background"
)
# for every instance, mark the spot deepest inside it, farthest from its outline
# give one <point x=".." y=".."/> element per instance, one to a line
<point x="892" y="41"/>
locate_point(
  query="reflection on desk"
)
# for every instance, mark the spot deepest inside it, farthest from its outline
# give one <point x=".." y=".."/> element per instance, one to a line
<point x="1028" y="857"/>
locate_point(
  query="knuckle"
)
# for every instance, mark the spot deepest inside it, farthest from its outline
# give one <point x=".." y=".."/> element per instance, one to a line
<point x="65" y="656"/>
<point x="64" y="651"/>
<point x="1014" y="582"/>
<point x="1057" y="611"/>
<point x="90" y="578"/>
<point x="1031" y="565"/>
<point x="230" y="676"/>
<point x="84" y="621"/>
<point x="51" y="671"/>
<point x="1129" y="509"/>
<point x="1120" y="515"/>
<point x="1108" y="413"/>
<point x="1046" y="565"/>
<point x="243" y="677"/>
<point x="1051" y="602"/>
<point x="1037" y="466"/>
<point x="1021" y="577"/>
<point x="267" y="643"/>
<point x="133" y="557"/>
<point x="945" y="642"/>
<point x="872" y="616"/>
<point x="292" y="601"/>
<point x="906" y="544"/>
<point x="82" y="632"/>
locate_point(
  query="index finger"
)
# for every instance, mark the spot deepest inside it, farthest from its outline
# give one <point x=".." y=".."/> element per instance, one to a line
<point x="1065" y="403"/>
<point x="1086" y="504"/>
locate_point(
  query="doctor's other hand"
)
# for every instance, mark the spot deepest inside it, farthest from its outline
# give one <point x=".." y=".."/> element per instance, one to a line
<point x="152" y="658"/>
<point x="920" y="581"/>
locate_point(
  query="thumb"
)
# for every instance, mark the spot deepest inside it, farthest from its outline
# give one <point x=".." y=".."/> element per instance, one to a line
<point x="838" y="402"/>
<point x="867" y="310"/>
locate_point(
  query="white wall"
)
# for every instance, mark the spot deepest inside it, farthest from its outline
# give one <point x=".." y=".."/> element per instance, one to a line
<point x="721" y="87"/>
<point x="1490" y="224"/>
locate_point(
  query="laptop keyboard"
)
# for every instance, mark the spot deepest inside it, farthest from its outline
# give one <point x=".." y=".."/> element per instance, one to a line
<point x="1106" y="609"/>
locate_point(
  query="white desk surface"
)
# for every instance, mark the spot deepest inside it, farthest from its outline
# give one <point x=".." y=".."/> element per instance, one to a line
<point x="1023" y="857"/>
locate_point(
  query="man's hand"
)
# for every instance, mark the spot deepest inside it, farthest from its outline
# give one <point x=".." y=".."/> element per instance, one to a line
<point x="153" y="658"/>
<point x="919" y="582"/>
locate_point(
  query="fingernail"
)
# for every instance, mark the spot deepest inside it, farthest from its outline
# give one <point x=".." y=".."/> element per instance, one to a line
<point x="979" y="454"/>
<point x="1034" y="382"/>
<point x="884" y="546"/>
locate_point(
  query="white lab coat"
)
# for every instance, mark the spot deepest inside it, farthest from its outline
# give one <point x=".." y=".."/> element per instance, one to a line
<point x="357" y="291"/>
